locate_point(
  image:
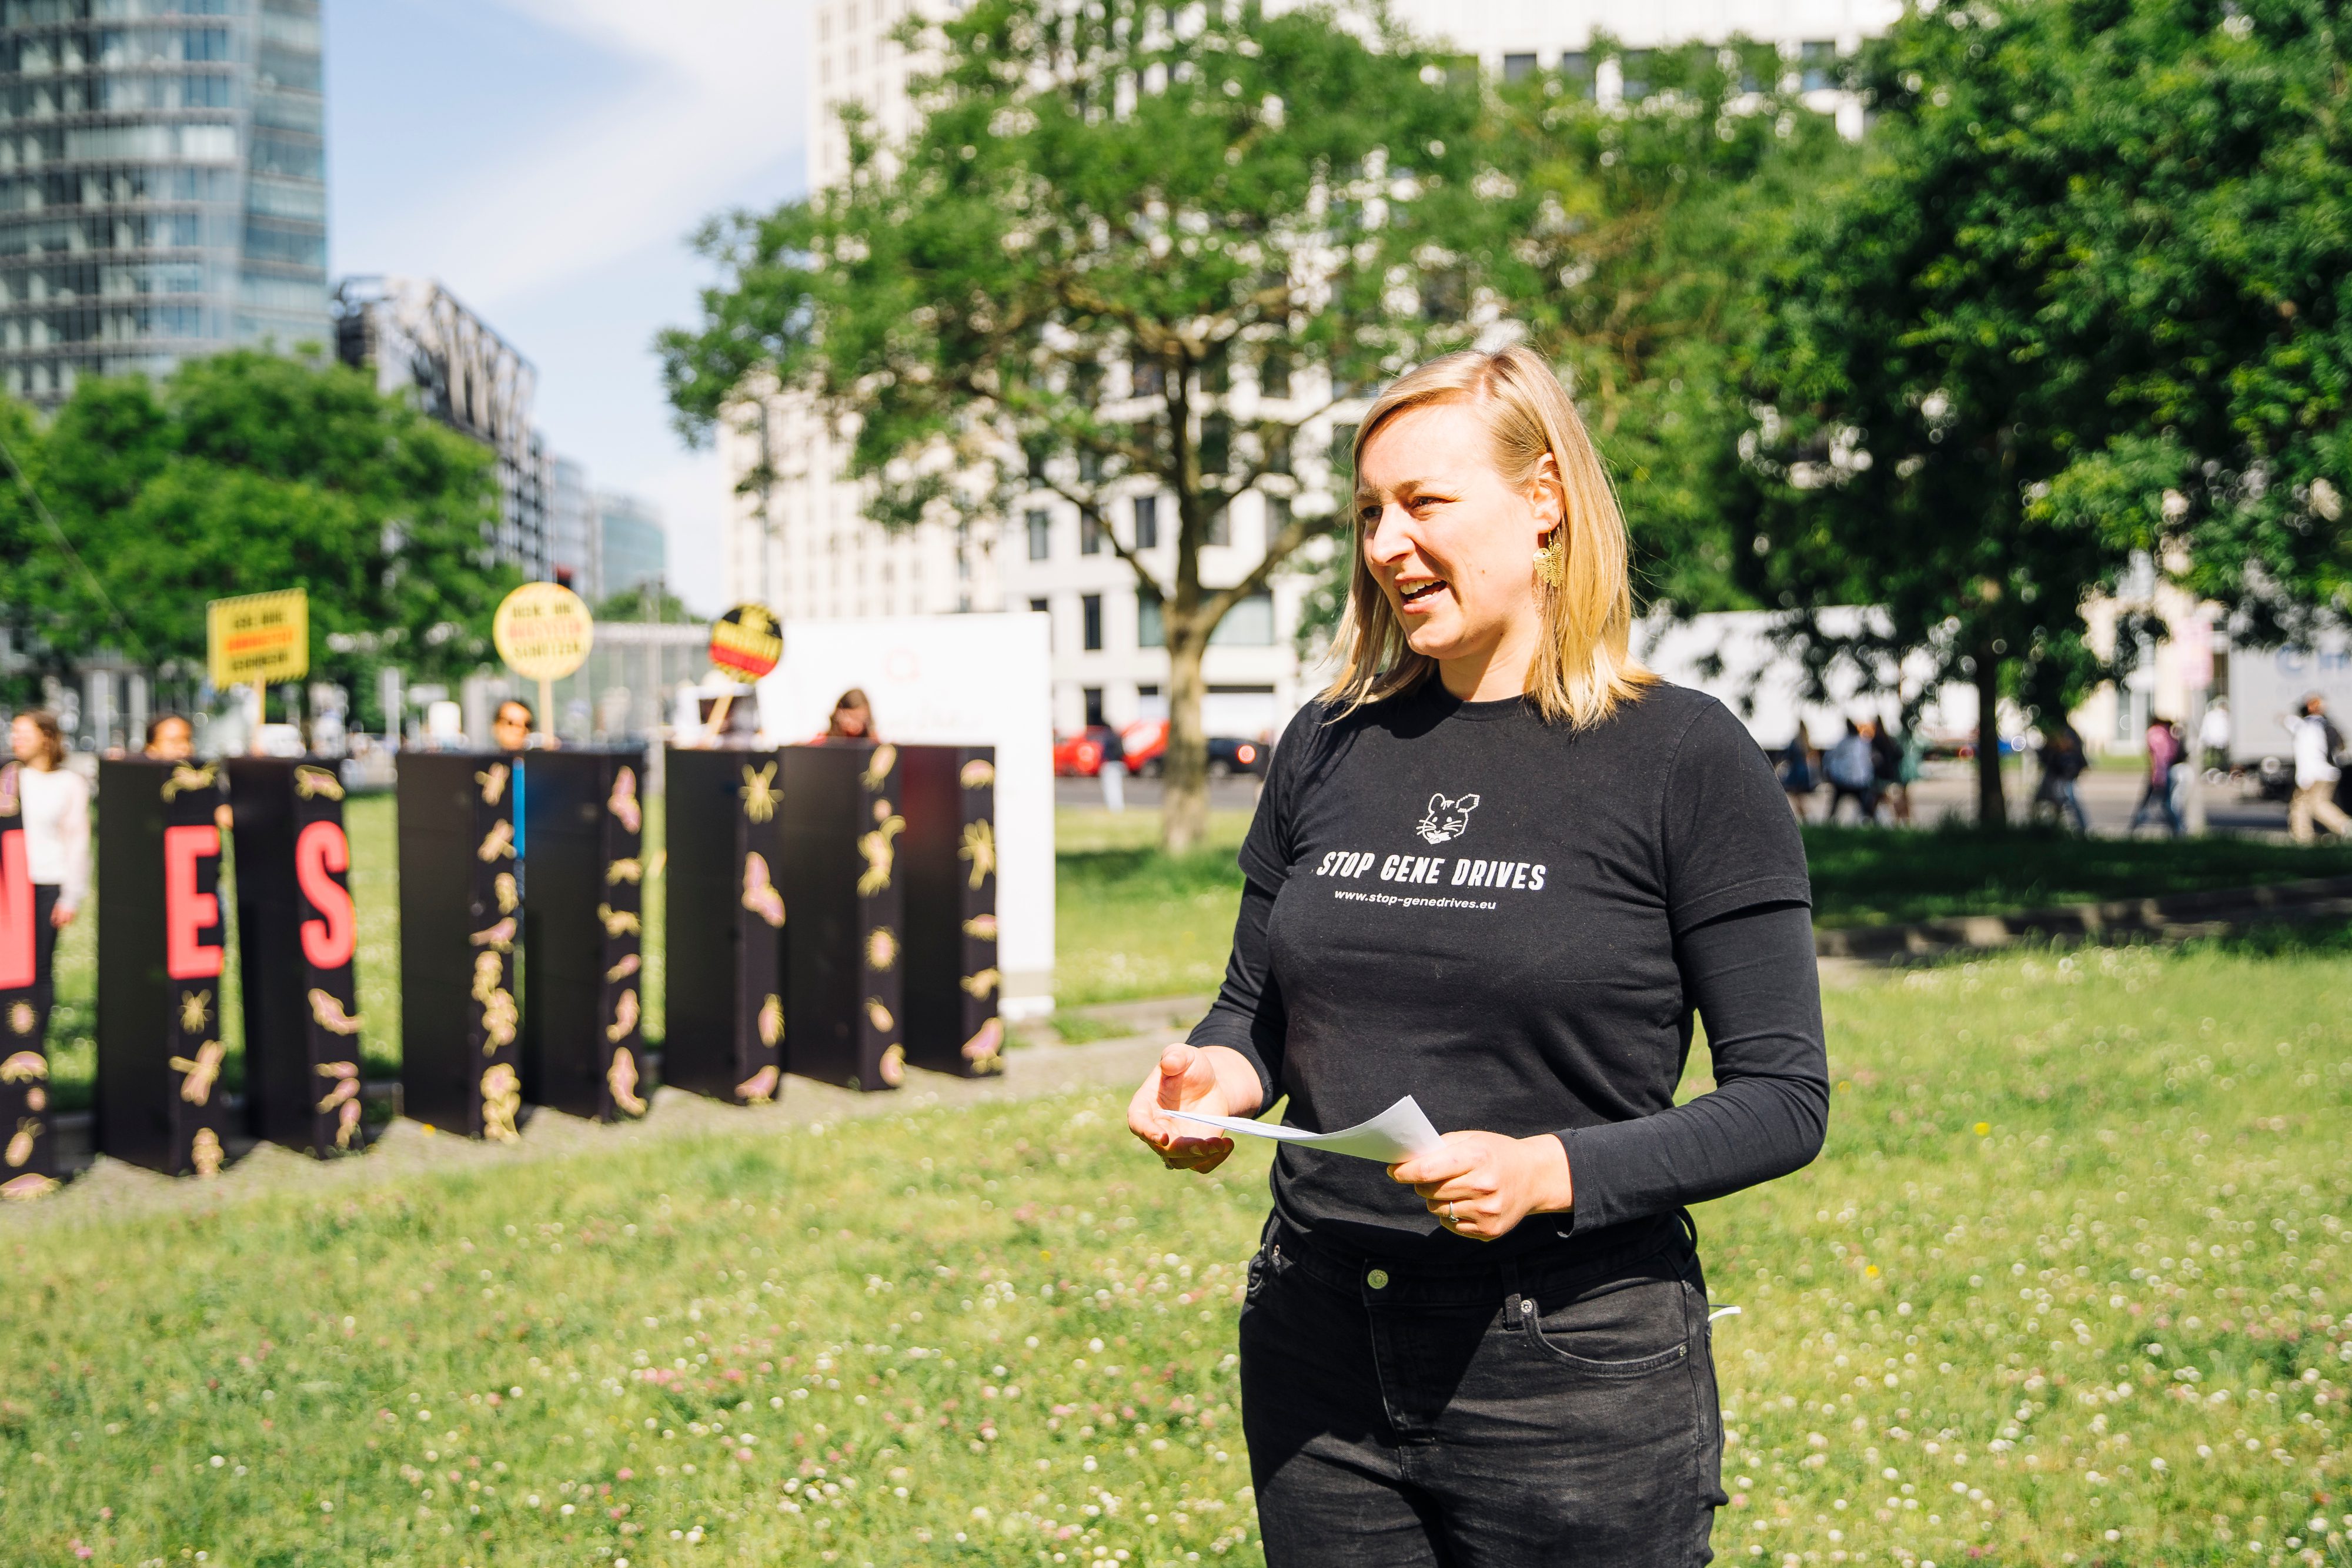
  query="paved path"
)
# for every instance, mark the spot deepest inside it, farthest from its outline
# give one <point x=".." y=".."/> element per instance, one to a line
<point x="109" y="1188"/>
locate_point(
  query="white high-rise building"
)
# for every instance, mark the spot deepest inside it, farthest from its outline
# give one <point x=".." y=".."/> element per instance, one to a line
<point x="798" y="539"/>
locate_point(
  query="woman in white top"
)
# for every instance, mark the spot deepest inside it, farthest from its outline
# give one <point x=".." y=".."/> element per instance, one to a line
<point x="55" y="806"/>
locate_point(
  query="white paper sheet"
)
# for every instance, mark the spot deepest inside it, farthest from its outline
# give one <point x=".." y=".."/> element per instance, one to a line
<point x="1398" y="1132"/>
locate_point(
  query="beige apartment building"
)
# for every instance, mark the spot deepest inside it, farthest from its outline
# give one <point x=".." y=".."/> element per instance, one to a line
<point x="799" y="542"/>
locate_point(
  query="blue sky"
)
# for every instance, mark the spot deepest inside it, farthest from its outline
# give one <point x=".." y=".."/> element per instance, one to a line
<point x="547" y="160"/>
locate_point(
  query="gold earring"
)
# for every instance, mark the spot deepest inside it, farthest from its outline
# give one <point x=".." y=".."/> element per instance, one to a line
<point x="1551" y="562"/>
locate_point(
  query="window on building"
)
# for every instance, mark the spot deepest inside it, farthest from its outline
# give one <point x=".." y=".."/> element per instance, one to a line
<point x="1094" y="708"/>
<point x="1044" y="607"/>
<point x="1150" y="628"/>
<point x="1220" y="526"/>
<point x="1576" y="71"/>
<point x="1041" y="536"/>
<point x="1216" y="376"/>
<point x="1818" y="61"/>
<point x="1277" y="449"/>
<point x="1090" y="534"/>
<point x="1091" y="614"/>
<point x="1633" y="74"/>
<point x="1277" y="514"/>
<point x="1146" y="522"/>
<point x="1274" y="375"/>
<point x="1216" y="443"/>
<point x="1519" y="67"/>
<point x="1248" y="625"/>
<point x="1145" y="379"/>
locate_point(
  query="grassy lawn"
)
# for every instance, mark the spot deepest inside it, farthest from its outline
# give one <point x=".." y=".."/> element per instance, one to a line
<point x="2063" y="1289"/>
<point x="1132" y="922"/>
<point x="1870" y="877"/>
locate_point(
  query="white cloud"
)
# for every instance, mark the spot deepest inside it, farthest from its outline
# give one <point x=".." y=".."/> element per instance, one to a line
<point x="716" y="97"/>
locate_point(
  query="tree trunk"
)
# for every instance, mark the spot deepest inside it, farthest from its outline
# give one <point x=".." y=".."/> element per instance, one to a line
<point x="1184" y="809"/>
<point x="1992" y="807"/>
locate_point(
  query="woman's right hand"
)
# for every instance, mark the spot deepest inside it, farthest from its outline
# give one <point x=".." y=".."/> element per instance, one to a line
<point x="1213" y="1079"/>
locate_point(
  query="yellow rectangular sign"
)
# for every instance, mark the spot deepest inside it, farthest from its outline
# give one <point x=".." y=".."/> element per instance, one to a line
<point x="259" y="638"/>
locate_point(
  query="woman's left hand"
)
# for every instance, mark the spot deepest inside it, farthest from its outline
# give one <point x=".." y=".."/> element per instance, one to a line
<point x="1481" y="1184"/>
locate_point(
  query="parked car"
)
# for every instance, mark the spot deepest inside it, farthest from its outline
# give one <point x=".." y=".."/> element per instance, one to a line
<point x="1147" y="751"/>
<point x="1080" y="756"/>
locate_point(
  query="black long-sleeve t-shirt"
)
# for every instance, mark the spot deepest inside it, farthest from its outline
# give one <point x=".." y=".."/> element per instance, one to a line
<point x="1514" y="921"/>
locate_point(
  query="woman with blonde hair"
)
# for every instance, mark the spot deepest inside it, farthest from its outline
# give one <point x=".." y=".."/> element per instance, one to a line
<point x="1497" y="866"/>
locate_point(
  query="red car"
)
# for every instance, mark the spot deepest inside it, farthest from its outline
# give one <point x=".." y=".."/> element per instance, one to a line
<point x="1147" y="751"/>
<point x="1080" y="756"/>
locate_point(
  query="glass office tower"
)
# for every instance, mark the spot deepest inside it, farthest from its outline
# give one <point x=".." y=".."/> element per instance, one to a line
<point x="162" y="185"/>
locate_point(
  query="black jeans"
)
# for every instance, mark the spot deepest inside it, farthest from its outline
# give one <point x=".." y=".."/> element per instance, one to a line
<point x="1530" y="1412"/>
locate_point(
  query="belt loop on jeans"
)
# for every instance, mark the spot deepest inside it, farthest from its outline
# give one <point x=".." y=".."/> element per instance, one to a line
<point x="1516" y="1309"/>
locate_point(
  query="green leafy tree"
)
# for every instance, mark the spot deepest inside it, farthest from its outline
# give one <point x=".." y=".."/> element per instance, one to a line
<point x="2215" y="247"/>
<point x="1632" y="241"/>
<point x="649" y="601"/>
<point x="248" y="472"/>
<point x="2085" y="298"/>
<point x="1115" y="231"/>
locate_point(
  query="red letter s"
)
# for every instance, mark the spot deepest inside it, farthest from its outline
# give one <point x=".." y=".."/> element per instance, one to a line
<point x="15" y="913"/>
<point x="187" y="912"/>
<point x="322" y="849"/>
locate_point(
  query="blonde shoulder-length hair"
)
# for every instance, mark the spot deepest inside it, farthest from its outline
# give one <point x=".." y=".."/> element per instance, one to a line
<point x="1583" y="667"/>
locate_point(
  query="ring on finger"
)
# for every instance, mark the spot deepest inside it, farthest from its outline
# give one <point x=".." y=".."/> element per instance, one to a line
<point x="1449" y="1212"/>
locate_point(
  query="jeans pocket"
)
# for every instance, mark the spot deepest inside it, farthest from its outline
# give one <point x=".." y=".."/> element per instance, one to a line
<point x="1261" y="1267"/>
<point x="1628" y="1328"/>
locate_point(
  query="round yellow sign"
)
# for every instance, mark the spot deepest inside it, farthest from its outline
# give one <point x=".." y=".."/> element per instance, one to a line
<point x="543" y="631"/>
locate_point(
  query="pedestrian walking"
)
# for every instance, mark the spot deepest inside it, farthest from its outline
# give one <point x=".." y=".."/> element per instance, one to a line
<point x="1497" y="1353"/>
<point x="1893" y="768"/>
<point x="1797" y="771"/>
<point x="2213" y="735"/>
<point x="2177" y="777"/>
<point x="2318" y="748"/>
<point x="1113" y="771"/>
<point x="2156" y="787"/>
<point x="2063" y="763"/>
<point x="55" y="803"/>
<point x="1853" y="773"/>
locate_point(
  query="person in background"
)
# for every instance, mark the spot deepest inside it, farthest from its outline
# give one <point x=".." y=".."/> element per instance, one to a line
<point x="1113" y="771"/>
<point x="2214" y="734"/>
<point x="1797" y="771"/>
<point x="853" y="718"/>
<point x="510" y="728"/>
<point x="2317" y="747"/>
<point x="1853" y="773"/>
<point x="1892" y="770"/>
<point x="170" y="739"/>
<point x="55" y="806"/>
<point x="2176" y="778"/>
<point x="2063" y="763"/>
<point x="2156" y="790"/>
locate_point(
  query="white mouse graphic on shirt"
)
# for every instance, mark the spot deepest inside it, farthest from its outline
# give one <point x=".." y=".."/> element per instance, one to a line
<point x="1446" y="819"/>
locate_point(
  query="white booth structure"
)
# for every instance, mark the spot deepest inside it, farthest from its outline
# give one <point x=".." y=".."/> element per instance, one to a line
<point x="951" y="680"/>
